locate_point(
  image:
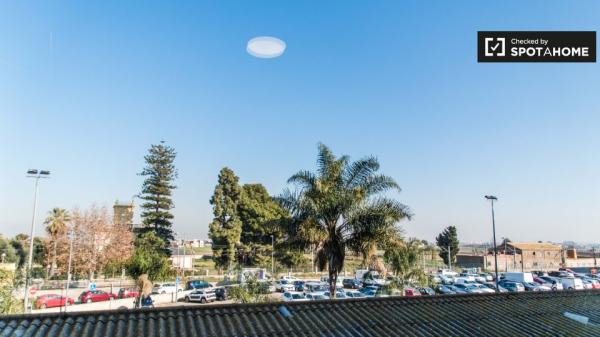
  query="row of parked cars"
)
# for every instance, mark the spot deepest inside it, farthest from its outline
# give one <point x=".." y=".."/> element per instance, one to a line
<point x="514" y="282"/>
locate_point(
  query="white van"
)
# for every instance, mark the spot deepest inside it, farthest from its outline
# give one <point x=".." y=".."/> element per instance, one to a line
<point x="572" y="283"/>
<point x="518" y="277"/>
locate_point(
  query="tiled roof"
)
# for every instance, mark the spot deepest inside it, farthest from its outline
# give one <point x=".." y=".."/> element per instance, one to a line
<point x="534" y="246"/>
<point x="525" y="314"/>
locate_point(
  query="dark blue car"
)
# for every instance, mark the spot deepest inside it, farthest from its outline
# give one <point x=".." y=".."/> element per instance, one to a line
<point x="351" y="283"/>
<point x="299" y="285"/>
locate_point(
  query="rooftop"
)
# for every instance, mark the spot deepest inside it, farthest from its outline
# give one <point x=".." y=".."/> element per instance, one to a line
<point x="525" y="314"/>
<point x="534" y="245"/>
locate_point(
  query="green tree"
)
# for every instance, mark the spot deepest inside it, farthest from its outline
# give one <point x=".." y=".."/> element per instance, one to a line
<point x="448" y="239"/>
<point x="8" y="303"/>
<point x="160" y="172"/>
<point x="149" y="258"/>
<point x="343" y="201"/>
<point x="260" y="216"/>
<point x="56" y="227"/>
<point x="403" y="259"/>
<point x="226" y="228"/>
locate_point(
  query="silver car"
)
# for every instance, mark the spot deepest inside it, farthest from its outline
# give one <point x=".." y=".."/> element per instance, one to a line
<point x="202" y="296"/>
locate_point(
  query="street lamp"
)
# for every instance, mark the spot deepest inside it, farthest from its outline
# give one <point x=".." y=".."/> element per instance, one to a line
<point x="37" y="175"/>
<point x="492" y="198"/>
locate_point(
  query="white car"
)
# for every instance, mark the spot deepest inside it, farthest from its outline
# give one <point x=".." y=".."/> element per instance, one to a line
<point x="484" y="289"/>
<point x="355" y="294"/>
<point x="294" y="297"/>
<point x="202" y="296"/>
<point x="289" y="278"/>
<point x="571" y="283"/>
<point x="165" y="288"/>
<point x="284" y="285"/>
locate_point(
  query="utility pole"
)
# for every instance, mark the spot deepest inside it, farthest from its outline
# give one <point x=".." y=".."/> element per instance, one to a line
<point x="505" y="260"/>
<point x="272" y="256"/>
<point x="449" y="259"/>
<point x="492" y="198"/>
<point x="36" y="174"/>
<point x="69" y="266"/>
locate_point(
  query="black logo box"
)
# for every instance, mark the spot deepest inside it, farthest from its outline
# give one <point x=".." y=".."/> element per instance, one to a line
<point x="559" y="39"/>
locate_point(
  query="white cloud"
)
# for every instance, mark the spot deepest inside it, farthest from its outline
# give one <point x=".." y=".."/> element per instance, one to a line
<point x="265" y="47"/>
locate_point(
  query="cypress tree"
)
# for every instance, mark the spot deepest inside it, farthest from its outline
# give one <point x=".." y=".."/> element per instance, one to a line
<point x="226" y="227"/>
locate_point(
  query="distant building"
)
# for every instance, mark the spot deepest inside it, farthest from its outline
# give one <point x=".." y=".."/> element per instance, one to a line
<point x="123" y="213"/>
<point x="516" y="256"/>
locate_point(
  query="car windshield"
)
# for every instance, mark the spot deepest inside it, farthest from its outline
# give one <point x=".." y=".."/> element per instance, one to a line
<point x="297" y="296"/>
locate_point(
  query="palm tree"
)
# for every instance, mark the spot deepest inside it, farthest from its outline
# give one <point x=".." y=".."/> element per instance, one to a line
<point x="404" y="258"/>
<point x="56" y="224"/>
<point x="342" y="202"/>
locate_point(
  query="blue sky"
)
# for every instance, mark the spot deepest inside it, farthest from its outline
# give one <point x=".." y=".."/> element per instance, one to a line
<point x="86" y="87"/>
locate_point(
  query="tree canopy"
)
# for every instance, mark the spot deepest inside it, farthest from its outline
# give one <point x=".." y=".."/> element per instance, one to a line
<point x="226" y="228"/>
<point x="342" y="204"/>
<point x="448" y="240"/>
<point x="149" y="258"/>
<point x="160" y="172"/>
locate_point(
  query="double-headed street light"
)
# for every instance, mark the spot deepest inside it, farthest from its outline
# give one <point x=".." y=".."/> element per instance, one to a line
<point x="492" y="198"/>
<point x="37" y="175"/>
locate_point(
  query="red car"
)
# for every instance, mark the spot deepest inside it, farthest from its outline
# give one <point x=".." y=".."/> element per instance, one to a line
<point x="128" y="292"/>
<point x="95" y="296"/>
<point x="53" y="300"/>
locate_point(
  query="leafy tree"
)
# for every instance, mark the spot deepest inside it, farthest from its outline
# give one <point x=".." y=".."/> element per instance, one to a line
<point x="56" y="227"/>
<point x="403" y="258"/>
<point x="226" y="228"/>
<point x="10" y="254"/>
<point x="342" y="201"/>
<point x="448" y="239"/>
<point x="160" y="172"/>
<point x="260" y="216"/>
<point x="8" y="303"/>
<point x="252" y="291"/>
<point x="149" y="258"/>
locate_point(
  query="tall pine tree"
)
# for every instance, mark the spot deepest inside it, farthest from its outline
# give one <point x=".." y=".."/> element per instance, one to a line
<point x="160" y="172"/>
<point x="226" y="227"/>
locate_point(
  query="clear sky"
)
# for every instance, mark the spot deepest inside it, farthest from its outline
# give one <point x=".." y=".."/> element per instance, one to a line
<point x="86" y="87"/>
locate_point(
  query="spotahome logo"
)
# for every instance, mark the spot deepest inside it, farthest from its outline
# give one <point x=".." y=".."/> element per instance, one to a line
<point x="536" y="46"/>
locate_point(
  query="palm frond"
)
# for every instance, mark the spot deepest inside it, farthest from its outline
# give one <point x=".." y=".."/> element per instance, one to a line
<point x="375" y="184"/>
<point x="356" y="173"/>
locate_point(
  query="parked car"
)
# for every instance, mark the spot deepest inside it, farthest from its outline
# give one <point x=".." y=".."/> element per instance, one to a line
<point x="471" y="288"/>
<point x="455" y="289"/>
<point x="53" y="300"/>
<point x="355" y="294"/>
<point x="532" y="286"/>
<point x="572" y="283"/>
<point x="338" y="294"/>
<point x="315" y="287"/>
<point x="95" y="296"/>
<point x="221" y="294"/>
<point x="444" y="290"/>
<point x="201" y="295"/>
<point x="294" y="297"/>
<point x="511" y="286"/>
<point x="127" y="293"/>
<point x="316" y="296"/>
<point x="493" y="287"/>
<point x="553" y="282"/>
<point x="197" y="284"/>
<point x="587" y="284"/>
<point x="165" y="288"/>
<point x="519" y="277"/>
<point x="410" y="291"/>
<point x="561" y="274"/>
<point x="426" y="291"/>
<point x="351" y="283"/>
<point x="284" y="285"/>
<point x="299" y="285"/>
<point x="289" y="278"/>
<point x="594" y="282"/>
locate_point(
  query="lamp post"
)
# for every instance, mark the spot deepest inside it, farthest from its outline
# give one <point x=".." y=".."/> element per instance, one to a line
<point x="37" y="175"/>
<point x="492" y="198"/>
